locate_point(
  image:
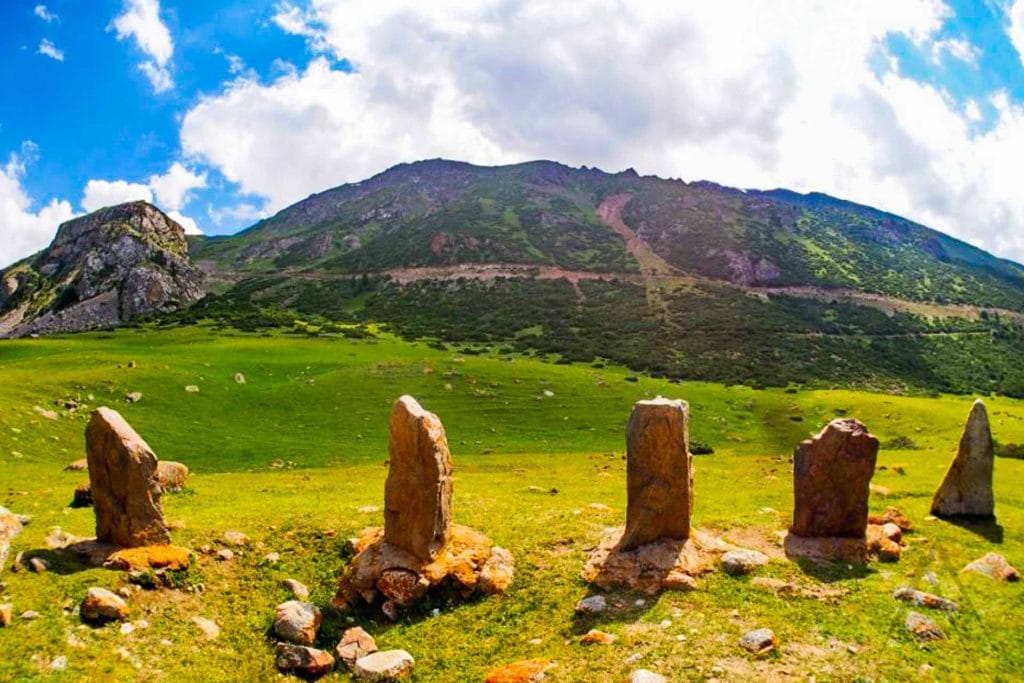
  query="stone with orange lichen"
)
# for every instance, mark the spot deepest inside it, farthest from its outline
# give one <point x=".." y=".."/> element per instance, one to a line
<point x="526" y="671"/>
<point x="150" y="557"/>
<point x="654" y="566"/>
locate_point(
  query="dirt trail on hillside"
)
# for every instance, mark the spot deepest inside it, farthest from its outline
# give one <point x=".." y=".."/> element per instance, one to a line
<point x="651" y="265"/>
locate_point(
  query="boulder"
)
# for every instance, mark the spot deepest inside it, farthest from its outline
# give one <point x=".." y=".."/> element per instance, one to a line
<point x="659" y="477"/>
<point x="297" y="622"/>
<point x="759" y="641"/>
<point x="101" y="606"/>
<point x="831" y="476"/>
<point x="171" y="475"/>
<point x="123" y="479"/>
<point x="497" y="572"/>
<point x="10" y="526"/>
<point x="388" y="665"/>
<point x="355" y="644"/>
<point x="593" y="604"/>
<point x="646" y="676"/>
<point x="301" y="660"/>
<point x="966" y="490"/>
<point x="418" y="491"/>
<point x="742" y="561"/>
<point x="995" y="566"/>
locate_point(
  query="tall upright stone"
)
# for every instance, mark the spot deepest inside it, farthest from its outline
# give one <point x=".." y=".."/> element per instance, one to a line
<point x="659" y="477"/>
<point x="967" y="489"/>
<point x="123" y="478"/>
<point x="418" y="491"/>
<point x="831" y="476"/>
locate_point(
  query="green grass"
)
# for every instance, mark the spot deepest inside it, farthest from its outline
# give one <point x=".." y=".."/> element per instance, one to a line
<point x="323" y="404"/>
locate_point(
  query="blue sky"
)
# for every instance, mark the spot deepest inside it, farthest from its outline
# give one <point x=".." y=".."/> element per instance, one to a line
<point x="225" y="111"/>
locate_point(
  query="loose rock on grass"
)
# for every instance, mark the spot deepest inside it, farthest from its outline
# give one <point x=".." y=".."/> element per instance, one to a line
<point x="759" y="641"/>
<point x="302" y="660"/>
<point x="743" y="561"/>
<point x="922" y="599"/>
<point x="100" y="606"/>
<point x="297" y="622"/>
<point x="355" y="644"/>
<point x="388" y="665"/>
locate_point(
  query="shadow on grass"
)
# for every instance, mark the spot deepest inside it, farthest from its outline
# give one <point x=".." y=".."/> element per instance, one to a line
<point x="831" y="572"/>
<point x="622" y="608"/>
<point x="61" y="561"/>
<point x="988" y="528"/>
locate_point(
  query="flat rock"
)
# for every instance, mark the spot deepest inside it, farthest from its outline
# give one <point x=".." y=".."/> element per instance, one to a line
<point x="150" y="557"/>
<point x="831" y="478"/>
<point x="995" y="566"/>
<point x="892" y="515"/>
<point x="236" y="538"/>
<point x="743" y="561"/>
<point x="966" y="491"/>
<point x="387" y="665"/>
<point x="593" y="604"/>
<point x="208" y="627"/>
<point x="297" y="622"/>
<point x="100" y="606"/>
<point x="758" y="641"/>
<point x="666" y="564"/>
<point x="302" y="660"/>
<point x="79" y="465"/>
<point x="922" y="599"/>
<point x="646" y="676"/>
<point x="526" y="671"/>
<point x="355" y="644"/>
<point x="923" y="628"/>
<point x="123" y="478"/>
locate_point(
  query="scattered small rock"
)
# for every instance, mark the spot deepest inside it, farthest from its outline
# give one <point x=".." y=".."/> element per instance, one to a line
<point x="922" y="599"/>
<point x="30" y="615"/>
<point x="225" y="555"/>
<point x="59" y="663"/>
<point x="209" y="628"/>
<point x="594" y="604"/>
<point x="272" y="558"/>
<point x="597" y="637"/>
<point x="388" y="665"/>
<point x="236" y="538"/>
<point x="296" y="588"/>
<point x="759" y="641"/>
<point x="369" y="509"/>
<point x="923" y="628"/>
<point x="48" y="414"/>
<point x="239" y="378"/>
<point x="192" y="389"/>
<point x="646" y="676"/>
<point x="305" y="661"/>
<point x="995" y="566"/>
<point x="79" y="465"/>
<point x="355" y="644"/>
<point x="892" y="515"/>
<point x="6" y="614"/>
<point x="743" y="561"/>
<point x="38" y="565"/>
<point x="297" y="622"/>
<point x="83" y="495"/>
<point x="133" y="397"/>
<point x="101" y="606"/>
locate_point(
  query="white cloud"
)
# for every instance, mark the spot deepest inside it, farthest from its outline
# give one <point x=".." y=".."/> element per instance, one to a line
<point x="972" y="110"/>
<point x="172" y="188"/>
<point x="140" y="20"/>
<point x="184" y="221"/>
<point x="957" y="48"/>
<point x="46" y="15"/>
<point x="103" y="193"/>
<point x="736" y="92"/>
<point x="244" y="212"/>
<point x="1016" y="28"/>
<point x="25" y="230"/>
<point x="50" y="50"/>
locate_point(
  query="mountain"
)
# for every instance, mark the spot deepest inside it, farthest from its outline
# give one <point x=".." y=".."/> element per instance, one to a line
<point x="102" y="269"/>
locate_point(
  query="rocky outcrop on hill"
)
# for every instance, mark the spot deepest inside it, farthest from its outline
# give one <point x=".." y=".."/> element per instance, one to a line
<point x="102" y="269"/>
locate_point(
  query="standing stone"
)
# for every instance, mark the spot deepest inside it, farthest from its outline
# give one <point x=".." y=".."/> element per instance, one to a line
<point x="123" y="479"/>
<point x="967" y="488"/>
<point x="418" y="491"/>
<point x="831" y="476"/>
<point x="659" y="477"/>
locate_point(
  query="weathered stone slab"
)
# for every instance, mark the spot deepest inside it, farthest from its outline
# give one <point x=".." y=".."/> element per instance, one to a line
<point x="659" y="477"/>
<point x="967" y="489"/>
<point x="124" y="485"/>
<point x="418" y="491"/>
<point x="831" y="476"/>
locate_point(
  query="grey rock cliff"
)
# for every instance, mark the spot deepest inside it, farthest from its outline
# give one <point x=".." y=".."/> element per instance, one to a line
<point x="108" y="267"/>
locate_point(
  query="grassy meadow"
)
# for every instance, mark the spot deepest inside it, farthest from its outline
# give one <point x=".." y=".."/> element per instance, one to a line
<point x="291" y="457"/>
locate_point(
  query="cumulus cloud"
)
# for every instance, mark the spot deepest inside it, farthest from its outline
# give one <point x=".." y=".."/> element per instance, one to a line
<point x="169" y="191"/>
<point x="1016" y="27"/>
<point x="103" y="193"/>
<point x="45" y="14"/>
<point x="172" y="188"/>
<point x="140" y="20"/>
<point x="732" y="91"/>
<point x="25" y="230"/>
<point x="50" y="50"/>
<point x="957" y="48"/>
